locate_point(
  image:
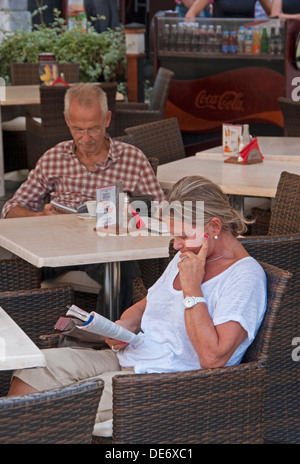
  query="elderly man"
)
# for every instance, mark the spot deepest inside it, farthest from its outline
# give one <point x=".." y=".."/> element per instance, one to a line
<point x="70" y="172"/>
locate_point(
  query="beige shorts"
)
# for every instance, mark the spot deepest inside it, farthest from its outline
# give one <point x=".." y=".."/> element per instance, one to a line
<point x="68" y="365"/>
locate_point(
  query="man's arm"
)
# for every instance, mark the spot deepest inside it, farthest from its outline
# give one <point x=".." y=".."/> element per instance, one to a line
<point x="21" y="211"/>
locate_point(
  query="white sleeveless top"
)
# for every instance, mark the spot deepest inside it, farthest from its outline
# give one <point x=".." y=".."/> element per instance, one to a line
<point x="237" y="294"/>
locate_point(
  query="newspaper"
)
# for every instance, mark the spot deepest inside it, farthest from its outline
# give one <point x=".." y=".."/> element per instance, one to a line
<point x="95" y="323"/>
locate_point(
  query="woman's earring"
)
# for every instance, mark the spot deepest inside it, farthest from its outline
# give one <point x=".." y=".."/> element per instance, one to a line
<point x="216" y="237"/>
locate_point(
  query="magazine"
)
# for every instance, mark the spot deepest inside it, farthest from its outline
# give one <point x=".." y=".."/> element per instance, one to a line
<point x="95" y="323"/>
<point x="60" y="208"/>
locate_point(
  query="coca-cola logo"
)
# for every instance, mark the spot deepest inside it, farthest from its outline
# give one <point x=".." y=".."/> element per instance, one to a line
<point x="227" y="101"/>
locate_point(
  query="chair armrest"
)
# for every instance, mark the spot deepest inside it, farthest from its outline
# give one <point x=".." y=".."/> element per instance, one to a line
<point x="223" y="405"/>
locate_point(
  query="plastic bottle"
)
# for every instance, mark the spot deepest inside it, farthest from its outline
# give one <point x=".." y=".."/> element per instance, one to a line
<point x="248" y="40"/>
<point x="225" y="42"/>
<point x="232" y="47"/>
<point x="256" y="41"/>
<point x="264" y="42"/>
<point x="241" y="40"/>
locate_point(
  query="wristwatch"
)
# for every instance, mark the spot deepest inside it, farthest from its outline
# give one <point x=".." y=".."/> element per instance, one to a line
<point x="191" y="301"/>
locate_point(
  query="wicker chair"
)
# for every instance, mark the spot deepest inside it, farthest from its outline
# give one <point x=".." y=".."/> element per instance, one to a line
<point x="61" y="416"/>
<point x="223" y="405"/>
<point x="40" y="136"/>
<point x="161" y="139"/>
<point x="131" y="114"/>
<point x="14" y="130"/>
<point x="284" y="217"/>
<point x="281" y="406"/>
<point x="291" y="116"/>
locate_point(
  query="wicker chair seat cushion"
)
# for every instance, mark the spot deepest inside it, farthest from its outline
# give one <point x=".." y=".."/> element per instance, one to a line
<point x="17" y="124"/>
<point x="79" y="280"/>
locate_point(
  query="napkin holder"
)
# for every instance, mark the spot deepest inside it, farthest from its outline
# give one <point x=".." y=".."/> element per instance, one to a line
<point x="250" y="154"/>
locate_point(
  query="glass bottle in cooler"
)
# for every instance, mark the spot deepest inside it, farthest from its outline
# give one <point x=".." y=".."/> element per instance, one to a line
<point x="211" y="39"/>
<point x="166" y="37"/>
<point x="195" y="38"/>
<point x="225" y="42"/>
<point x="180" y="37"/>
<point x="203" y="39"/>
<point x="248" y="40"/>
<point x="256" y="41"/>
<point x="241" y="39"/>
<point x="264" y="42"/>
<point x="173" y="37"/>
<point x="218" y="39"/>
<point x="273" y="42"/>
<point x="232" y="42"/>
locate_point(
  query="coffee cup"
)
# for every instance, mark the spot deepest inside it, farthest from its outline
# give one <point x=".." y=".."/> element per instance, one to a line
<point x="91" y="206"/>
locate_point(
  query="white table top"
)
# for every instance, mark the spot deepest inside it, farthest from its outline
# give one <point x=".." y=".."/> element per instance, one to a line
<point x="287" y="148"/>
<point x="17" y="351"/>
<point x="29" y="95"/>
<point x="66" y="239"/>
<point x="259" y="180"/>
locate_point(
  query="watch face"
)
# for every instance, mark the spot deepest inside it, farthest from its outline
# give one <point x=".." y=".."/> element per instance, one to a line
<point x="188" y="302"/>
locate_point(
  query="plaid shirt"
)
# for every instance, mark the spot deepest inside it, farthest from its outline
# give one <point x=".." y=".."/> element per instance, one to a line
<point x="60" y="174"/>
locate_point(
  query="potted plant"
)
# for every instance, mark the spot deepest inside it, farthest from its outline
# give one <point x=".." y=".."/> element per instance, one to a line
<point x="101" y="56"/>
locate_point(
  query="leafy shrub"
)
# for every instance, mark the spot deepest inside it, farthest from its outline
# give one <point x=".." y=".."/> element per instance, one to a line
<point x="101" y="56"/>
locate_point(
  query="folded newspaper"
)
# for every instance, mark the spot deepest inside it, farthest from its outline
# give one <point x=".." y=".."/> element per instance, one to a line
<point x="95" y="323"/>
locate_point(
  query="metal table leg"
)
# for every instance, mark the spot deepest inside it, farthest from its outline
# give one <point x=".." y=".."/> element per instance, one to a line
<point x="112" y="284"/>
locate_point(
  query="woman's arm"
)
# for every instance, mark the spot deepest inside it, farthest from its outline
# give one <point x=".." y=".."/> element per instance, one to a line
<point x="196" y="8"/>
<point x="130" y="320"/>
<point x="213" y="344"/>
<point x="276" y="7"/>
<point x="267" y="6"/>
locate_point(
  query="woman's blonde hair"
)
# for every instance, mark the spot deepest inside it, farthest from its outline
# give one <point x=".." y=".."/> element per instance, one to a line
<point x="86" y="94"/>
<point x="201" y="193"/>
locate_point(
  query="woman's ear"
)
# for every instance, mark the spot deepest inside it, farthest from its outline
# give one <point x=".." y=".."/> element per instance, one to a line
<point x="214" y="227"/>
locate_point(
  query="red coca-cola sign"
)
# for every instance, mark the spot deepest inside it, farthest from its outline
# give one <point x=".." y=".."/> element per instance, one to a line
<point x="247" y="95"/>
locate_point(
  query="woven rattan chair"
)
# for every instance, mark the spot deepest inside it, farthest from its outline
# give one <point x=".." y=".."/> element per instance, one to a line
<point x="284" y="217"/>
<point x="282" y="405"/>
<point x="291" y="116"/>
<point x="40" y="136"/>
<point x="161" y="139"/>
<point x="14" y="130"/>
<point x="132" y="114"/>
<point x="222" y="405"/>
<point x="61" y="416"/>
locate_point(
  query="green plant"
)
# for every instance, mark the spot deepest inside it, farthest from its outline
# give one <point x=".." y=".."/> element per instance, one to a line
<point x="100" y="56"/>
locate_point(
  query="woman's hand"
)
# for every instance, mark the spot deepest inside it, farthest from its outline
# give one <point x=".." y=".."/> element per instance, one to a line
<point x="192" y="269"/>
<point x="117" y="345"/>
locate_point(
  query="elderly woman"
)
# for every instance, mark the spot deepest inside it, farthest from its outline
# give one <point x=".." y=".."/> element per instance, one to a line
<point x="203" y="312"/>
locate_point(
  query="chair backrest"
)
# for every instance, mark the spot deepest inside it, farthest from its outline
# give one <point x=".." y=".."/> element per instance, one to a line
<point x="52" y="109"/>
<point x="291" y="116"/>
<point x="110" y="88"/>
<point x="160" y="139"/>
<point x="61" y="416"/>
<point x="277" y="283"/>
<point x="28" y="73"/>
<point x="283" y="373"/>
<point x="161" y="89"/>
<point x="285" y="212"/>
<point x="18" y="274"/>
